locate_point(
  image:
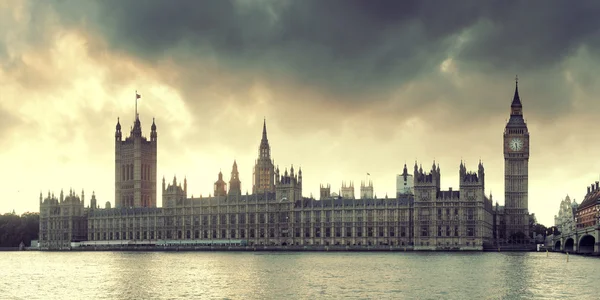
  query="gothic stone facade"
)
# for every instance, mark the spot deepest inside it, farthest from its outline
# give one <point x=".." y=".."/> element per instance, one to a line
<point x="135" y="167"/>
<point x="62" y="221"/>
<point x="516" y="174"/>
<point x="277" y="214"/>
<point x="443" y="220"/>
<point x="451" y="219"/>
<point x="565" y="220"/>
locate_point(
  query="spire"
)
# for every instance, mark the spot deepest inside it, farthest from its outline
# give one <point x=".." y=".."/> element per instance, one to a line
<point x="153" y="128"/>
<point x="264" y="151"/>
<point x="264" y="134"/>
<point x="118" y="124"/>
<point x="516" y="102"/>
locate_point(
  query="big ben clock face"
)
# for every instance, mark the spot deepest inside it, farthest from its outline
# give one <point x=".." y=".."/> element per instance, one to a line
<point x="516" y="144"/>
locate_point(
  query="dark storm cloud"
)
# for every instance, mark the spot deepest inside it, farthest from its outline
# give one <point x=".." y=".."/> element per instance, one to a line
<point x="344" y="44"/>
<point x="533" y="34"/>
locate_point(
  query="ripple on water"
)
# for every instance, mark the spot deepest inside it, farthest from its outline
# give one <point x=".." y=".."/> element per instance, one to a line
<point x="259" y="275"/>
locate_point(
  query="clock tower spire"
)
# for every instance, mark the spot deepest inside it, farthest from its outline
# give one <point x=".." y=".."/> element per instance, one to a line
<point x="516" y="108"/>
<point x="516" y="173"/>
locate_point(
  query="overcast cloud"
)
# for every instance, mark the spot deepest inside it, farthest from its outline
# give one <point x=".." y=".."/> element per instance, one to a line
<point x="347" y="87"/>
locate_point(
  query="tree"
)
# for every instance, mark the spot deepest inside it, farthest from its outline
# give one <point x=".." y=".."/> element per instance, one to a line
<point x="15" y="229"/>
<point x="539" y="229"/>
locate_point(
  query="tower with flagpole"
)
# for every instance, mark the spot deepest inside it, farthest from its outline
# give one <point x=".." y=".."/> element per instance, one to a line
<point x="366" y="188"/>
<point x="135" y="165"/>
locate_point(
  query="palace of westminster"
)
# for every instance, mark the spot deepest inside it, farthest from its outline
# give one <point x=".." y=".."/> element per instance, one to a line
<point x="421" y="216"/>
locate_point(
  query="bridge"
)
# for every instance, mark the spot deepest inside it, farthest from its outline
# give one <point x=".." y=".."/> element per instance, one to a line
<point x="582" y="241"/>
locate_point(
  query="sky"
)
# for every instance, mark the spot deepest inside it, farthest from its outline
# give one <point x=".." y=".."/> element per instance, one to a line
<point x="347" y="88"/>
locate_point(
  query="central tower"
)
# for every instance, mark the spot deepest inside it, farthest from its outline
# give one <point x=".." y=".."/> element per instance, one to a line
<point x="516" y="172"/>
<point x="135" y="166"/>
<point x="264" y="170"/>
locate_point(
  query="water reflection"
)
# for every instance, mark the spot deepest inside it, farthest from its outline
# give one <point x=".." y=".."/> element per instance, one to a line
<point x="257" y="275"/>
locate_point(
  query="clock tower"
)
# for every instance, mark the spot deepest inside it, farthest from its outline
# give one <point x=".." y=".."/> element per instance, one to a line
<point x="516" y="172"/>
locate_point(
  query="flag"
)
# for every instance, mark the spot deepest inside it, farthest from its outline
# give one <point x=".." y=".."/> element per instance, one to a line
<point x="368" y="174"/>
<point x="137" y="96"/>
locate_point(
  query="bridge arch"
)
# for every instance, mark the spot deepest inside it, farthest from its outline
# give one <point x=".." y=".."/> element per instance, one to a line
<point x="557" y="246"/>
<point x="569" y="243"/>
<point x="586" y="244"/>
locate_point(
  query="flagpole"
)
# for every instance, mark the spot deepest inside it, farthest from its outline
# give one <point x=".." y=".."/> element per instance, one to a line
<point x="136" y="97"/>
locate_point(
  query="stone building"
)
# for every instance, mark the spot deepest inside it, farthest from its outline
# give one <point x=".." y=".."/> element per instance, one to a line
<point x="588" y="211"/>
<point x="431" y="219"/>
<point x="276" y="213"/>
<point x="451" y="219"/>
<point x="135" y="167"/>
<point x="264" y="169"/>
<point x="235" y="185"/>
<point x="287" y="218"/>
<point x="516" y="174"/>
<point x="366" y="190"/>
<point x="405" y="182"/>
<point x="62" y="220"/>
<point x="347" y="190"/>
<point x="581" y="238"/>
<point x="325" y="191"/>
<point x="565" y="220"/>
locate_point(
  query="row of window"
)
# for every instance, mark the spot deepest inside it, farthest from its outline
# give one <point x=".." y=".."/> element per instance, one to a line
<point x="470" y="231"/>
<point x="316" y="232"/>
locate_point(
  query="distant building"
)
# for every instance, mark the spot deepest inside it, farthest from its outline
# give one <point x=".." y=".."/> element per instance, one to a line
<point x="405" y="183"/>
<point x="63" y="220"/>
<point x="579" y="235"/>
<point x="422" y="216"/>
<point x="220" y="186"/>
<point x="366" y="190"/>
<point x="325" y="192"/>
<point x="565" y="220"/>
<point x="235" y="185"/>
<point x="347" y="190"/>
<point x="451" y="219"/>
<point x="587" y="212"/>
<point x="264" y="169"/>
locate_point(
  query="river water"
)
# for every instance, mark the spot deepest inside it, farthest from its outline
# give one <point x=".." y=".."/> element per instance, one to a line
<point x="289" y="275"/>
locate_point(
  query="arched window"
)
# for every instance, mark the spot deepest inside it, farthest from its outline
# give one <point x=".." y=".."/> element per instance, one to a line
<point x="123" y="173"/>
